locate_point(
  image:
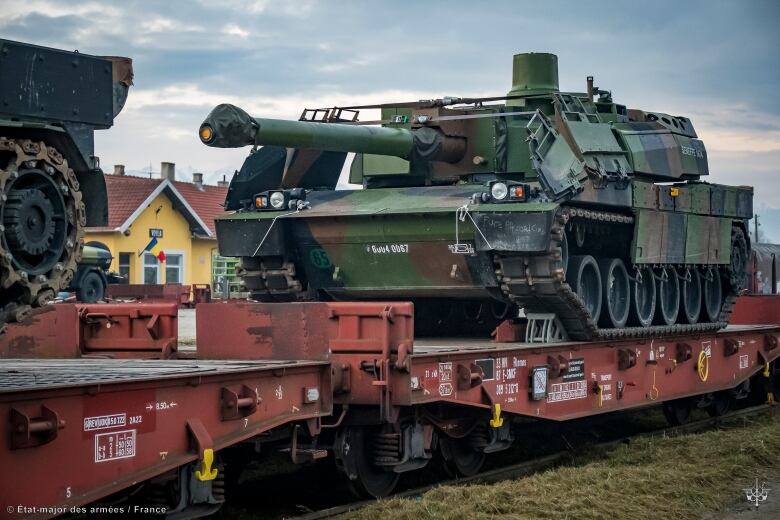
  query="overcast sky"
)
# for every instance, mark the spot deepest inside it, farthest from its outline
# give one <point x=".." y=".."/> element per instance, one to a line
<point x="713" y="61"/>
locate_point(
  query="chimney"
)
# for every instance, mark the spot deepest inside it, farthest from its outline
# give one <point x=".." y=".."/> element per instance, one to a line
<point x="119" y="169"/>
<point x="223" y="183"/>
<point x="197" y="180"/>
<point x="168" y="171"/>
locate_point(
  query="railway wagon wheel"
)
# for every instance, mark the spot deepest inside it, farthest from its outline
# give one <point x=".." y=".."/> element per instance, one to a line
<point x="460" y="459"/>
<point x="668" y="297"/>
<point x="584" y="278"/>
<point x="721" y="404"/>
<point x="678" y="411"/>
<point x="355" y="454"/>
<point x="643" y="297"/>
<point x="712" y="295"/>
<point x="690" y="296"/>
<point x="616" y="290"/>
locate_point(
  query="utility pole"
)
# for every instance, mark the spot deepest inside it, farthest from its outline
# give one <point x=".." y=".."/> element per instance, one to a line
<point x="755" y="227"/>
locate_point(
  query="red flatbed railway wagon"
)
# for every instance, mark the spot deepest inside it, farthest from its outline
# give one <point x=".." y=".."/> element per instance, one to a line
<point x="78" y="430"/>
<point x="82" y="429"/>
<point x="399" y="400"/>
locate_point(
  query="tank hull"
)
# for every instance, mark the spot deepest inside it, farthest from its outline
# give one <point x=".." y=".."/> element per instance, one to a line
<point x="435" y="246"/>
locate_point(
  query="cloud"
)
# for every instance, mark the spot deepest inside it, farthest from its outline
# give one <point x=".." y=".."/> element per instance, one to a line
<point x="712" y="61"/>
<point x="234" y="30"/>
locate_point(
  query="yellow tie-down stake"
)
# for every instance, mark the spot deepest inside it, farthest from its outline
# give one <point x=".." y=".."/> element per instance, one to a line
<point x="770" y="396"/>
<point x="206" y="472"/>
<point x="497" y="421"/>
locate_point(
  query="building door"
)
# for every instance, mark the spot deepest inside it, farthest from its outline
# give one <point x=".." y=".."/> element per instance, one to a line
<point x="151" y="269"/>
<point x="124" y="266"/>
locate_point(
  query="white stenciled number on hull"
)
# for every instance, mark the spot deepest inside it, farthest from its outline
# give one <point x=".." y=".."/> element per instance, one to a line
<point x="384" y="249"/>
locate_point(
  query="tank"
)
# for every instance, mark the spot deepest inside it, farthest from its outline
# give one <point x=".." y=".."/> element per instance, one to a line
<point x="591" y="218"/>
<point x="51" y="184"/>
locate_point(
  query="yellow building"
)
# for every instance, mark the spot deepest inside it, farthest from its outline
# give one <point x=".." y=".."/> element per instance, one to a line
<point x="179" y="214"/>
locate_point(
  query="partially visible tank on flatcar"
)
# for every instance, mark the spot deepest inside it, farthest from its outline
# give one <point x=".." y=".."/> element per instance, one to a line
<point x="51" y="184"/>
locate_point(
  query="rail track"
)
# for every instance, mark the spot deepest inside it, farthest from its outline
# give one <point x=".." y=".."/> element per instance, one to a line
<point x="529" y="467"/>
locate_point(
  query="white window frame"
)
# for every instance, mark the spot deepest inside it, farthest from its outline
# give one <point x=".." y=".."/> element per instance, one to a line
<point x="144" y="266"/>
<point x="180" y="253"/>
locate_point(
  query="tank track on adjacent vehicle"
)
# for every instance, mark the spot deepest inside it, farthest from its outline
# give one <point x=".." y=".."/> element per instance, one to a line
<point x="20" y="292"/>
<point x="538" y="284"/>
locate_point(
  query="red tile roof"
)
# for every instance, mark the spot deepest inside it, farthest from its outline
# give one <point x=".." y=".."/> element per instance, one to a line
<point x="207" y="203"/>
<point x="126" y="193"/>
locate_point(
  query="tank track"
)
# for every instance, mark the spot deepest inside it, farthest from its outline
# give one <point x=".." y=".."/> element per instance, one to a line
<point x="19" y="292"/>
<point x="270" y="280"/>
<point x="538" y="284"/>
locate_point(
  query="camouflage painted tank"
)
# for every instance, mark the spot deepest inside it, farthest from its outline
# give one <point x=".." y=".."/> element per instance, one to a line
<point x="51" y="185"/>
<point x="590" y="216"/>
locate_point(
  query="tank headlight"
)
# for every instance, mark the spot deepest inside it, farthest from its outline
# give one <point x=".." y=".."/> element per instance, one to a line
<point x="499" y="191"/>
<point x="206" y="133"/>
<point x="261" y="201"/>
<point x="277" y="200"/>
<point x="507" y="191"/>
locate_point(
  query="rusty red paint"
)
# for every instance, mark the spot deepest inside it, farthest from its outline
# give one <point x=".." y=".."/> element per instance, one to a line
<point x="595" y="378"/>
<point x="757" y="309"/>
<point x="150" y="292"/>
<point x="300" y="330"/>
<point x="126" y="330"/>
<point x="115" y="434"/>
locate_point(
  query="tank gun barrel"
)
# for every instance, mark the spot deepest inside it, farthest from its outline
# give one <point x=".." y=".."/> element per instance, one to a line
<point x="231" y="127"/>
<point x="228" y="126"/>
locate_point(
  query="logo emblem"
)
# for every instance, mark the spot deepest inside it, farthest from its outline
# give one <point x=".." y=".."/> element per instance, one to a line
<point x="756" y="495"/>
<point x="319" y="258"/>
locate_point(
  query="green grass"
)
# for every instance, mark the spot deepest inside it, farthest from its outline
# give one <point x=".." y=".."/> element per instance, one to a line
<point x="679" y="477"/>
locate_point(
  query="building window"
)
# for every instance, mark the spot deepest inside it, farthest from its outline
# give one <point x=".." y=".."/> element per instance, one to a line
<point x="124" y="266"/>
<point x="173" y="268"/>
<point x="151" y="269"/>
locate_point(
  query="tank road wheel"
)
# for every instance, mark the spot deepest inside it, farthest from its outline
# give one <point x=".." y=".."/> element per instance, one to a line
<point x="616" y="289"/>
<point x="668" y="297"/>
<point x="712" y="295"/>
<point x="460" y="459"/>
<point x="643" y="297"/>
<point x="584" y="278"/>
<point x="677" y="412"/>
<point x="354" y="450"/>
<point x="739" y="260"/>
<point x="42" y="223"/>
<point x="690" y="296"/>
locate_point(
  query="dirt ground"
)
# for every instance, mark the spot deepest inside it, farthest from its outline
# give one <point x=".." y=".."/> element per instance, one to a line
<point x="187" y="326"/>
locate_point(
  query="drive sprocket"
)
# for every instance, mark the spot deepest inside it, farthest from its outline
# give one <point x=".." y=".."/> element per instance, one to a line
<point x="42" y="219"/>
